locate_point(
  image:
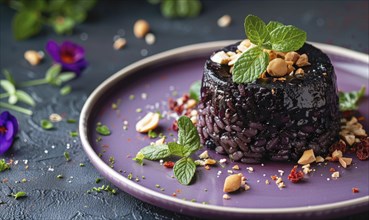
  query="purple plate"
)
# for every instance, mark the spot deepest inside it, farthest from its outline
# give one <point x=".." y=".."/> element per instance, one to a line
<point x="152" y="81"/>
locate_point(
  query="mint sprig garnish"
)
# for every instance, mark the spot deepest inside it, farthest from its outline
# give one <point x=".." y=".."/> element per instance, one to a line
<point x="349" y="100"/>
<point x="273" y="36"/>
<point x="188" y="143"/>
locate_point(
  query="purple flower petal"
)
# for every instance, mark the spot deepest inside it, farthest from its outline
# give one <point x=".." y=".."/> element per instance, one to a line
<point x="70" y="47"/>
<point x="9" y="128"/>
<point x="52" y="48"/>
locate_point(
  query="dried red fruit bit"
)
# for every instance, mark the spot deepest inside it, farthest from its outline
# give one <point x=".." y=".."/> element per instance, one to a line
<point x="339" y="145"/>
<point x="168" y="164"/>
<point x="175" y="126"/>
<point x="362" y="148"/>
<point x="295" y="176"/>
<point x="355" y="190"/>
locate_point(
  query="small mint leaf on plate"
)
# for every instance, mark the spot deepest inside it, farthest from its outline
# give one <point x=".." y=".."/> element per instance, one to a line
<point x="139" y="158"/>
<point x="287" y="38"/>
<point x="250" y="65"/>
<point x="187" y="135"/>
<point x="46" y="124"/>
<point x="177" y="149"/>
<point x="195" y="90"/>
<point x="155" y="152"/>
<point x="255" y="29"/>
<point x="184" y="170"/>
<point x="349" y="100"/>
<point x="103" y="130"/>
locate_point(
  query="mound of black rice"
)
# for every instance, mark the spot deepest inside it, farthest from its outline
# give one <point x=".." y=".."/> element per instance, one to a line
<point x="270" y="119"/>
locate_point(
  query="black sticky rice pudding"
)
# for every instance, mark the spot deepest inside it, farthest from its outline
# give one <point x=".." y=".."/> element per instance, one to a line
<point x="269" y="118"/>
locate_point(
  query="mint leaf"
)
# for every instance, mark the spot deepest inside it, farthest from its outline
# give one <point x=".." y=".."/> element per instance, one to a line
<point x="52" y="73"/>
<point x="19" y="195"/>
<point x="349" y="100"/>
<point x="139" y="158"/>
<point x="184" y="170"/>
<point x="195" y="90"/>
<point x="24" y="97"/>
<point x="287" y="38"/>
<point x="255" y="29"/>
<point x="155" y="152"/>
<point x="273" y="25"/>
<point x="46" y="124"/>
<point x="250" y="65"/>
<point x="66" y="76"/>
<point x="177" y="149"/>
<point x="3" y="165"/>
<point x="187" y="135"/>
<point x="103" y="130"/>
<point x="7" y="86"/>
<point x="25" y="24"/>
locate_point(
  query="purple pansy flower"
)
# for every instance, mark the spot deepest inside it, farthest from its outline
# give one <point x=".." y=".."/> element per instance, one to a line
<point x="8" y="130"/>
<point x="69" y="55"/>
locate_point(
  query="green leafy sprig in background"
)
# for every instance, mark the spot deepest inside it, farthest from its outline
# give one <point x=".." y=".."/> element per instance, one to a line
<point x="61" y="15"/>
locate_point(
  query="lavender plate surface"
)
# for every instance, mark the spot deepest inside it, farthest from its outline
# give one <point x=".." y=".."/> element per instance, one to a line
<point x="152" y="81"/>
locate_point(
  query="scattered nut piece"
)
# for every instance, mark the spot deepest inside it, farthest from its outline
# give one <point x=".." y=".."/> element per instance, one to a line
<point x="345" y="161"/>
<point x="319" y="159"/>
<point x="226" y="197"/>
<point x="281" y="185"/>
<point x="55" y="117"/>
<point x="220" y="57"/>
<point x="233" y="59"/>
<point x="210" y="162"/>
<point x="119" y="43"/>
<point x="277" y="67"/>
<point x="250" y="169"/>
<point x="194" y="120"/>
<point x="281" y="55"/>
<point x="349" y="138"/>
<point x="303" y="61"/>
<point x="307" y="157"/>
<point x="336" y="155"/>
<point x="300" y="71"/>
<point x="335" y="175"/>
<point x="191" y="103"/>
<point x="150" y="38"/>
<point x="236" y="167"/>
<point x="232" y="183"/>
<point x="147" y="123"/>
<point x="141" y="28"/>
<point x="272" y="55"/>
<point x="247" y="187"/>
<point x="207" y="167"/>
<point x="292" y="56"/>
<point x="33" y="57"/>
<point x="279" y="180"/>
<point x="242" y="48"/>
<point x="246" y="43"/>
<point x="224" y="21"/>
<point x="160" y="141"/>
<point x="204" y="155"/>
<point x="267" y="182"/>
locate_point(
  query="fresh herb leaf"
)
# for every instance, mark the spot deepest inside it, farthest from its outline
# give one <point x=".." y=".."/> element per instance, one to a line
<point x="52" y="73"/>
<point x="188" y="136"/>
<point x="152" y="134"/>
<point x="180" y="8"/>
<point x="19" y="195"/>
<point x="155" y="152"/>
<point x="177" y="149"/>
<point x="103" y="130"/>
<point x="250" y="65"/>
<point x="73" y="133"/>
<point x="46" y="124"/>
<point x="184" y="170"/>
<point x="26" y="24"/>
<point x="63" y="25"/>
<point x="3" y="165"/>
<point x="349" y="100"/>
<point x="71" y="121"/>
<point x="195" y="90"/>
<point x="66" y="76"/>
<point x="287" y="38"/>
<point x="272" y="25"/>
<point x="7" y="86"/>
<point x="66" y="155"/>
<point x="8" y="76"/>
<point x="255" y="29"/>
<point x="139" y="158"/>
<point x="65" y="90"/>
<point x="24" y="97"/>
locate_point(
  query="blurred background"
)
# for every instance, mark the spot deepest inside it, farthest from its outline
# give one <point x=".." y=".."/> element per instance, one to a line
<point x="96" y="25"/>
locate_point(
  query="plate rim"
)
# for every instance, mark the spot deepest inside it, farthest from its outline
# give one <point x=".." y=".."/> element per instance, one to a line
<point x="142" y="192"/>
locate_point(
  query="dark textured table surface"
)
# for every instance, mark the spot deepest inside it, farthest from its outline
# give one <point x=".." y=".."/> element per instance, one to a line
<point x="342" y="23"/>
